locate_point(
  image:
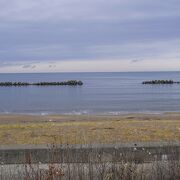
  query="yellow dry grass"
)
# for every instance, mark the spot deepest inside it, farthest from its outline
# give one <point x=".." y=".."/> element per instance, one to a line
<point x="78" y="132"/>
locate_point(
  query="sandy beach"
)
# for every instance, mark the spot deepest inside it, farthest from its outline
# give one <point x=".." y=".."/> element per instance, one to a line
<point x="85" y="129"/>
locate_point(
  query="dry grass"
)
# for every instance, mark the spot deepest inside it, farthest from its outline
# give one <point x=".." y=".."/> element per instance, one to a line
<point x="100" y="131"/>
<point x="123" y="166"/>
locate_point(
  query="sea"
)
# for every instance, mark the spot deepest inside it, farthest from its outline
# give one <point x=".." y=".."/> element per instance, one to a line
<point x="109" y="93"/>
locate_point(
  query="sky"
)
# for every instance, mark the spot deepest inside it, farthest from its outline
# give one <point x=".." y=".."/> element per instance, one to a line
<point x="89" y="35"/>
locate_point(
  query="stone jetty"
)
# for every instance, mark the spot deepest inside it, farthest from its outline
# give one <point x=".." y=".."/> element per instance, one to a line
<point x="161" y="82"/>
<point x="64" y="83"/>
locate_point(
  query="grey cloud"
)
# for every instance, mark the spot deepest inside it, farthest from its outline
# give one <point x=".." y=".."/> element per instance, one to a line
<point x="7" y="64"/>
<point x="43" y="42"/>
<point x="29" y="66"/>
<point x="26" y="66"/>
<point x="136" y="60"/>
<point x="64" y="30"/>
<point x="22" y="64"/>
<point x="52" y="65"/>
<point x="33" y="10"/>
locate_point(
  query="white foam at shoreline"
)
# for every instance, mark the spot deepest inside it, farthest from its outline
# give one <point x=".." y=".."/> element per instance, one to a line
<point x="85" y="112"/>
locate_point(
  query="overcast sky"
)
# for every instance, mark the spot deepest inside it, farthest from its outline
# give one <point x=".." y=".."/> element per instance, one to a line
<point x="89" y="35"/>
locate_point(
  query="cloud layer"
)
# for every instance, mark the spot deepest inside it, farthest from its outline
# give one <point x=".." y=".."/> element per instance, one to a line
<point x="49" y="33"/>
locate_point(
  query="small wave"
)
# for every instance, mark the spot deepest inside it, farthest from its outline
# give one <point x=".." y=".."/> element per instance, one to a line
<point x="44" y="113"/>
<point x="117" y="113"/>
<point x="77" y="112"/>
<point x="86" y="112"/>
<point x="6" y="112"/>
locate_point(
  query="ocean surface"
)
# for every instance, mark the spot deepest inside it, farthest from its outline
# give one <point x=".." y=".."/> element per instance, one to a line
<point x="102" y="93"/>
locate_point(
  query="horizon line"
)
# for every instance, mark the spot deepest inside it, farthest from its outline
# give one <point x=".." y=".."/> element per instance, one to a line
<point x="90" y="72"/>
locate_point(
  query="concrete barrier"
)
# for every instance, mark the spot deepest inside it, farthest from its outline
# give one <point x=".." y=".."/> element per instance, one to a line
<point x="140" y="152"/>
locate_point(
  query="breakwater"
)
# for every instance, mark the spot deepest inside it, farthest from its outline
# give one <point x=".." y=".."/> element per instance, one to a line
<point x="161" y="82"/>
<point x="64" y="83"/>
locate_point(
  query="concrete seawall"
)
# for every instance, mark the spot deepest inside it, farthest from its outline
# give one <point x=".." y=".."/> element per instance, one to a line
<point x="145" y="152"/>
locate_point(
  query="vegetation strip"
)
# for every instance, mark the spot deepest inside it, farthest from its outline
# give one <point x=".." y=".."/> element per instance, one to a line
<point x="88" y="132"/>
<point x="161" y="82"/>
<point x="64" y="83"/>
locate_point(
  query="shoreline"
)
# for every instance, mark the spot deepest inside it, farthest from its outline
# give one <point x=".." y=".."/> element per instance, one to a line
<point x="18" y="117"/>
<point x="85" y="113"/>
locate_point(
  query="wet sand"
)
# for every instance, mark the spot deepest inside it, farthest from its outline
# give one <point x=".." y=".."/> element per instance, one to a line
<point x="15" y="118"/>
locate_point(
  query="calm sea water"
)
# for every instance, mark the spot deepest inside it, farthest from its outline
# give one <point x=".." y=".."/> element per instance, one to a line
<point x="102" y="93"/>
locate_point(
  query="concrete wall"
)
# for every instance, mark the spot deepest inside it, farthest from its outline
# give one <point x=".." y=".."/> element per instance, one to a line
<point x="87" y="153"/>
